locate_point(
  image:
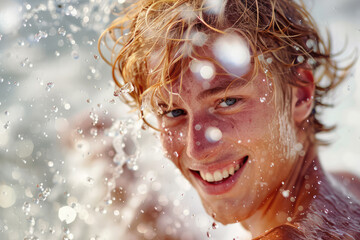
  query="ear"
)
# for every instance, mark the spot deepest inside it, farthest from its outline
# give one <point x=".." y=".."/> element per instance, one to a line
<point x="303" y="96"/>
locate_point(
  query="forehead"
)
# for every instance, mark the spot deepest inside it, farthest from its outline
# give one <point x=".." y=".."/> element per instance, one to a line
<point x="223" y="56"/>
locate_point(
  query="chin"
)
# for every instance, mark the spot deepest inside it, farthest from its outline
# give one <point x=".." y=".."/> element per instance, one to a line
<point x="227" y="212"/>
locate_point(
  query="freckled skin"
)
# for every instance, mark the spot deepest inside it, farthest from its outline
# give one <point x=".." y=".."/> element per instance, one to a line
<point x="267" y="135"/>
<point x="252" y="122"/>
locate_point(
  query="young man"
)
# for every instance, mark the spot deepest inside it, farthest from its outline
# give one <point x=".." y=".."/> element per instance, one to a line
<point x="232" y="85"/>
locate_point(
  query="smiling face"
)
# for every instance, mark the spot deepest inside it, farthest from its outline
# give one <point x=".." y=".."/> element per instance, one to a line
<point x="234" y="145"/>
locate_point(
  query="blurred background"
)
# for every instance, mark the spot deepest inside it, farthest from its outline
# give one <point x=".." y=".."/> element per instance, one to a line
<point x="75" y="163"/>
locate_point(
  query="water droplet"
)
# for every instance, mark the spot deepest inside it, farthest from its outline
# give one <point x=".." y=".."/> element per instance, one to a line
<point x="297" y="48"/>
<point x="55" y="109"/>
<point x="119" y="160"/>
<point x="262" y="99"/>
<point x="7" y="125"/>
<point x="93" y="132"/>
<point x="26" y="208"/>
<point x="90" y="180"/>
<point x="199" y="39"/>
<point x="213" y="134"/>
<point x="24" y="62"/>
<point x="7" y="196"/>
<point x="67" y="214"/>
<point x="310" y="43"/>
<point x="132" y="165"/>
<point x="214" y="225"/>
<point x="286" y="193"/>
<point x="41" y="34"/>
<point x="75" y="54"/>
<point x="61" y="31"/>
<point x="213" y="6"/>
<point x="233" y="53"/>
<point x="94" y="117"/>
<point x="311" y="61"/>
<point x="67" y="106"/>
<point x="44" y="194"/>
<point x="198" y="127"/>
<point x="298" y="147"/>
<point x="49" y="86"/>
<point x="300" y="59"/>
<point x="207" y="72"/>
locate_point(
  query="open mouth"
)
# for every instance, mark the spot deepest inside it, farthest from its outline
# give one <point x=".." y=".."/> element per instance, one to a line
<point x="221" y="175"/>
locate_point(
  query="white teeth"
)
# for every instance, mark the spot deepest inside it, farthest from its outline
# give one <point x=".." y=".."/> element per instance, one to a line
<point x="225" y="173"/>
<point x="231" y="170"/>
<point x="209" y="177"/>
<point x="202" y="175"/>
<point x="218" y="176"/>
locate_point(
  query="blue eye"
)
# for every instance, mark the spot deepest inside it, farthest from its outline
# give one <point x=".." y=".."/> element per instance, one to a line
<point x="228" y="102"/>
<point x="175" y="113"/>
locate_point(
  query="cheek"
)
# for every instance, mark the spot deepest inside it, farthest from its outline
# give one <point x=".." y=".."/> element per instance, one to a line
<point x="252" y="124"/>
<point x="173" y="144"/>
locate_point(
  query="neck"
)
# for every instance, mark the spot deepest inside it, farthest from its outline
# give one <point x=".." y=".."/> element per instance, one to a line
<point x="283" y="204"/>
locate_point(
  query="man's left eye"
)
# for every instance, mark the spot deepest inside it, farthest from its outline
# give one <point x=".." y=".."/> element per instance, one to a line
<point x="228" y="102"/>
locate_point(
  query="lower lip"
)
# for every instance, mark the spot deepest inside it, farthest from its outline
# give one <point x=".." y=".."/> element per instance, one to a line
<point x="220" y="187"/>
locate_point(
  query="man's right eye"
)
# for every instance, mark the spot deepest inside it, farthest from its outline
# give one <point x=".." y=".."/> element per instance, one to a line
<point x="175" y="113"/>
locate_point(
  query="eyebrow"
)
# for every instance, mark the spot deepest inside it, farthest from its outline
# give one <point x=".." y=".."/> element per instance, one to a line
<point x="221" y="87"/>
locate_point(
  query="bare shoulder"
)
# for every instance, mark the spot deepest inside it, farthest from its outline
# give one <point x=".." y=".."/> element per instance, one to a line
<point x="285" y="232"/>
<point x="350" y="181"/>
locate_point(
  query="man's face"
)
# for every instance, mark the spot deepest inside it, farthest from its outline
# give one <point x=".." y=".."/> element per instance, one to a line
<point x="235" y="151"/>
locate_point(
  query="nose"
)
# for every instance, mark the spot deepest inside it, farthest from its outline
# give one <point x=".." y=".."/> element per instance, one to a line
<point x="203" y="138"/>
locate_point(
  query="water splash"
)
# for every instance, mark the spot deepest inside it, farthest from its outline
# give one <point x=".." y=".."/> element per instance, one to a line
<point x="127" y="88"/>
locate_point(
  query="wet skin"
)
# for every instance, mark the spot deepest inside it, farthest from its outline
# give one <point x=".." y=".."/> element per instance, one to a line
<point x="271" y="188"/>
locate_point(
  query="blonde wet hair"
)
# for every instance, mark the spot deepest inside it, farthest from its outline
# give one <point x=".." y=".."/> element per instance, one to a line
<point x="280" y="30"/>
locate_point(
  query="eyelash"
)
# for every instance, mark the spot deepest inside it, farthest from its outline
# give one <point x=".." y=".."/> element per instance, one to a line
<point x="183" y="112"/>
<point x="236" y="100"/>
<point x="168" y="112"/>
